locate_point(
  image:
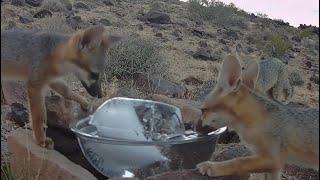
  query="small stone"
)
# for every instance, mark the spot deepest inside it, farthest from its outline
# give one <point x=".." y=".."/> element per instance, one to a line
<point x="19" y="114"/>
<point x="191" y="80"/>
<point x="140" y="27"/>
<point x="105" y="22"/>
<point x="34" y="3"/>
<point x="108" y="2"/>
<point x="158" y="35"/>
<point x="25" y="19"/>
<point x="43" y="13"/>
<point x="156" y="17"/>
<point x="18" y="2"/>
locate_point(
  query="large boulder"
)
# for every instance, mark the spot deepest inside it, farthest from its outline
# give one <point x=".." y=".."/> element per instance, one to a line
<point x="29" y="160"/>
<point x="155" y="16"/>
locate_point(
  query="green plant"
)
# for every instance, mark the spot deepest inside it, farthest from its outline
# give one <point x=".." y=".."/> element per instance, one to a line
<point x="7" y="172"/>
<point x="133" y="56"/>
<point x="280" y="45"/>
<point x="305" y="33"/>
<point x="217" y="12"/>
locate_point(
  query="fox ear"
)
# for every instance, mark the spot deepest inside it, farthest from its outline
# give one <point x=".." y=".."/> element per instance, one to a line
<point x="91" y="38"/>
<point x="230" y="74"/>
<point x="250" y="75"/>
<point x="108" y="40"/>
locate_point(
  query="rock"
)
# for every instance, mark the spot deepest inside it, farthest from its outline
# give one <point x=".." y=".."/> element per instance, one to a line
<point x="19" y="114"/>
<point x="140" y="27"/>
<point x="14" y="92"/>
<point x="314" y="78"/>
<point x="108" y="2"/>
<point x="67" y="4"/>
<point x="81" y="5"/>
<point x="34" y="3"/>
<point x="41" y="163"/>
<point x="296" y="79"/>
<point x="225" y="152"/>
<point x="105" y="22"/>
<point x="205" y="54"/>
<point x="231" y="34"/>
<point x="25" y="19"/>
<point x="160" y="86"/>
<point x="229" y="137"/>
<point x="203" y="44"/>
<point x="66" y="143"/>
<point x="200" y="33"/>
<point x="18" y="2"/>
<point x="177" y="33"/>
<point x="191" y="80"/>
<point x="159" y="34"/>
<point x="75" y="22"/>
<point x="188" y="174"/>
<point x="157" y="17"/>
<point x="61" y="112"/>
<point x="43" y="13"/>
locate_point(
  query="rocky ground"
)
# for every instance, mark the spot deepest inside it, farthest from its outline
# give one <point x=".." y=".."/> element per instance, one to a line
<point x="192" y="48"/>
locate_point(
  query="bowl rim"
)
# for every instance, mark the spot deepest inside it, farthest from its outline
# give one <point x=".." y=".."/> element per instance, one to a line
<point x="75" y="123"/>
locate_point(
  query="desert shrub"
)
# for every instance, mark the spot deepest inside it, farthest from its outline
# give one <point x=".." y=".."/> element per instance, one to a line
<point x="53" y="5"/>
<point x="133" y="56"/>
<point x="217" y="12"/>
<point x="280" y="45"/>
<point x="262" y="15"/>
<point x="306" y="33"/>
<point x="56" y="23"/>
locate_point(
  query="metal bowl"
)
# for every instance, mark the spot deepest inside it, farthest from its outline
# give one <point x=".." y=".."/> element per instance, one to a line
<point x="122" y="147"/>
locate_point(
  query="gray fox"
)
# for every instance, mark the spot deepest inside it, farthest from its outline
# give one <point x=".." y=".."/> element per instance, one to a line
<point x="41" y="58"/>
<point x="276" y="133"/>
<point x="273" y="79"/>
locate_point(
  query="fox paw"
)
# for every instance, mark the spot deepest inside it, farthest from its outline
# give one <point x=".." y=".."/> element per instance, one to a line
<point x="47" y="143"/>
<point x="208" y="168"/>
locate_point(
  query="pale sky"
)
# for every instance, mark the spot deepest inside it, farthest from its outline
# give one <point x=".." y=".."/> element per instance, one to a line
<point x="293" y="11"/>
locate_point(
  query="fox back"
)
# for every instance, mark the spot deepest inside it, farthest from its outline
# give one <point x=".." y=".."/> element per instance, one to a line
<point x="25" y="51"/>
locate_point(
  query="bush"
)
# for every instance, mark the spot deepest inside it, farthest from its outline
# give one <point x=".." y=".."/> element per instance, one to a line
<point x="280" y="45"/>
<point x="133" y="56"/>
<point x="217" y="12"/>
<point x="53" y="5"/>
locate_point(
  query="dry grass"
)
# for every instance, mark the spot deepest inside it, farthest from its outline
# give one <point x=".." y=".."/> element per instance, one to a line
<point x="56" y="23"/>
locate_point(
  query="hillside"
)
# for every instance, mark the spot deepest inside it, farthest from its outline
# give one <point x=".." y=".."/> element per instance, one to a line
<point x="187" y="41"/>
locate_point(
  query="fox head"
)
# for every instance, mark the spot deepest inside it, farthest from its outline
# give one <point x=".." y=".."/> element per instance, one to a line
<point x="88" y="50"/>
<point x="231" y="88"/>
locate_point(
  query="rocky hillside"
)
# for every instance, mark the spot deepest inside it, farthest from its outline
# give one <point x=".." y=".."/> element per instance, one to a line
<point x="192" y="39"/>
<point x="180" y="44"/>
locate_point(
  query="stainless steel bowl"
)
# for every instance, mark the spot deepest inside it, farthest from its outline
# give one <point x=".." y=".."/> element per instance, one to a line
<point x="121" y="147"/>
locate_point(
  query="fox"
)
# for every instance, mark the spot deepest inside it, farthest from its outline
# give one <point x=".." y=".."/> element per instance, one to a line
<point x="41" y="59"/>
<point x="274" y="77"/>
<point x="276" y="133"/>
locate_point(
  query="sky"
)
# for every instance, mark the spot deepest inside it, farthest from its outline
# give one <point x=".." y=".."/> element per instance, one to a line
<point x="293" y="11"/>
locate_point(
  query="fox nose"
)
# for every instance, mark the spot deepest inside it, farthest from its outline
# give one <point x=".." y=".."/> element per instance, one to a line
<point x="93" y="89"/>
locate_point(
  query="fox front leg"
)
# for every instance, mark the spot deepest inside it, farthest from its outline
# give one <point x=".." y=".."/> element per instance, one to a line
<point x="38" y="116"/>
<point x="240" y="166"/>
<point x="62" y="88"/>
